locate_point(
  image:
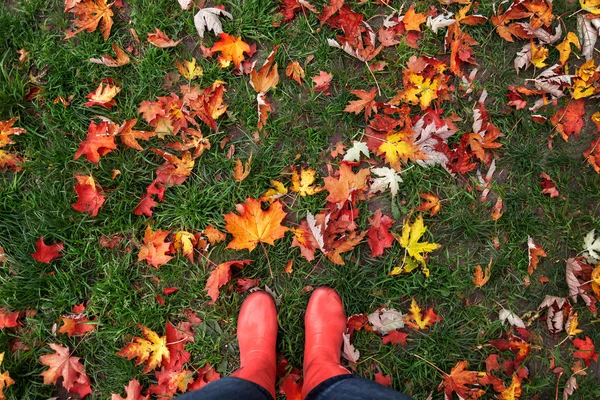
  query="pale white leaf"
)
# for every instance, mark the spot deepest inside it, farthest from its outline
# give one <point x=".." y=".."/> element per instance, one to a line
<point x="387" y="178"/>
<point x="570" y="387"/>
<point x="591" y="247"/>
<point x="349" y="352"/>
<point x="185" y="4"/>
<point x="588" y="35"/>
<point x="441" y="21"/>
<point x="555" y="319"/>
<point x="353" y="154"/>
<point x="208" y="19"/>
<point x="523" y="59"/>
<point x="508" y="316"/>
<point x="385" y="320"/>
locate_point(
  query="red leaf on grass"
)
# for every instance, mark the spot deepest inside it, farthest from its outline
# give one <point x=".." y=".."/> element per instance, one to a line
<point x="395" y="337"/>
<point x="379" y="237"/>
<point x="548" y="187"/>
<point x="89" y="198"/>
<point x="585" y="350"/>
<point x="100" y="140"/>
<point x="133" y="391"/>
<point x="44" y="253"/>
<point x="291" y="387"/>
<point x="62" y="365"/>
<point x="8" y="319"/>
<point x="384" y="380"/>
<point x="569" y="120"/>
<point x="221" y="276"/>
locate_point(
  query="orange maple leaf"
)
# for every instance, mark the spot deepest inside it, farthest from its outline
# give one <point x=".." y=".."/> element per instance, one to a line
<point x="5" y="379"/>
<point x="110" y="61"/>
<point x="534" y="252"/>
<point x="481" y="277"/>
<point x="155" y="249"/>
<point x="431" y="203"/>
<point x="61" y="364"/>
<point x="231" y="49"/>
<point x="267" y="77"/>
<point x="76" y="324"/>
<point x="159" y="39"/>
<point x="295" y="71"/>
<point x="214" y="235"/>
<point x="103" y="96"/>
<point x="89" y="14"/>
<point x="254" y="225"/>
<point x="412" y="21"/>
<point x="241" y="171"/>
<point x="221" y="276"/>
<point x="457" y="381"/>
<point x="100" y="140"/>
<point x="347" y="183"/>
<point x="366" y="102"/>
<point x="151" y="349"/>
<point x="130" y="137"/>
<point x="569" y="120"/>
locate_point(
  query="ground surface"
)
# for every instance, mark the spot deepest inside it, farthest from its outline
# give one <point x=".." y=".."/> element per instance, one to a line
<point x="120" y="291"/>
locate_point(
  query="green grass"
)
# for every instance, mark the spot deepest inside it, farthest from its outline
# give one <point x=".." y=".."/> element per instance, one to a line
<point x="121" y="292"/>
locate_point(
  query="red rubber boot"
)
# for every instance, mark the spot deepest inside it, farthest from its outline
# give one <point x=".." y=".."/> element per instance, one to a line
<point x="257" y="336"/>
<point x="324" y="323"/>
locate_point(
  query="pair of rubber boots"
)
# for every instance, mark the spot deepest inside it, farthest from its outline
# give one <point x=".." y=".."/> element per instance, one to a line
<point x="324" y="322"/>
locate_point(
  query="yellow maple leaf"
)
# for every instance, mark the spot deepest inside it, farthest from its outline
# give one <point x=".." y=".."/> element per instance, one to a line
<point x="185" y="242"/>
<point x="418" y="320"/>
<point x="254" y="225"/>
<point x="421" y="90"/>
<point x="592" y="6"/>
<point x="538" y="55"/>
<point x="277" y="191"/>
<point x="5" y="379"/>
<point x="513" y="392"/>
<point x="189" y="70"/>
<point x="564" y="47"/>
<point x="231" y="49"/>
<point x="103" y="95"/>
<point x="410" y="240"/>
<point x="302" y="183"/>
<point x="571" y="325"/>
<point x="152" y="350"/>
<point x="398" y="146"/>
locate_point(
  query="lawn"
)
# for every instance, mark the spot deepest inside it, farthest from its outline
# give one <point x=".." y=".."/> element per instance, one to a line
<point x="125" y="279"/>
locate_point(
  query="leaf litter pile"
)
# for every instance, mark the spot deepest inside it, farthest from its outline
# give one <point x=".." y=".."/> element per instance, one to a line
<point x="420" y="108"/>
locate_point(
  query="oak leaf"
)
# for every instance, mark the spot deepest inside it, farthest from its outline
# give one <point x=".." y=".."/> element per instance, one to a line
<point x="303" y="182"/>
<point x="90" y="14"/>
<point x="348" y="183"/>
<point x="232" y="49"/>
<point x="294" y="71"/>
<point x="44" y="253"/>
<point x="366" y="102"/>
<point x="133" y="391"/>
<point x="103" y="96"/>
<point x="253" y="225"/>
<point x="89" y="196"/>
<point x="109" y="61"/>
<point x="151" y="350"/>
<point x="379" y="238"/>
<point x="100" y="140"/>
<point x="411" y="233"/>
<point x="76" y="324"/>
<point x="62" y="365"/>
<point x="159" y="39"/>
<point x="419" y="320"/>
<point x="155" y="249"/>
<point x="220" y="276"/>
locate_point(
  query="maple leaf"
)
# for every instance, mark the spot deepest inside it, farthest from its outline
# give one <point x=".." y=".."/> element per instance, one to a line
<point x="267" y="77"/>
<point x="189" y="70"/>
<point x="378" y="237"/>
<point x="349" y="352"/>
<point x="129" y="137"/>
<point x="353" y="153"/>
<point x="387" y="178"/>
<point x="62" y="365"/>
<point x="145" y="205"/>
<point x="418" y="320"/>
<point x="513" y="392"/>
<point x="564" y="48"/>
<point x="569" y="120"/>
<point x="241" y="172"/>
<point x="220" y="276"/>
<point x="90" y="14"/>
<point x="481" y="278"/>
<point x="185" y="242"/>
<point x="341" y="188"/>
<point x="159" y="39"/>
<point x="421" y="90"/>
<point x="6" y="130"/>
<point x="412" y="20"/>
<point x="151" y="349"/>
<point x="572" y="324"/>
<point x="44" y="253"/>
<point x="457" y="381"/>
<point x="366" y="102"/>
<point x="207" y="19"/>
<point x="410" y="240"/>
<point x="264" y="108"/>
<point x="534" y="252"/>
<point x="291" y="387"/>
<point x="103" y="96"/>
<point x="155" y="250"/>
<point x="76" y="324"/>
<point x="253" y="225"/>
<point x="133" y="390"/>
<point x="395" y="337"/>
<point x="322" y="82"/>
<point x="109" y="61"/>
<point x="214" y="235"/>
<point x="385" y="320"/>
<point x="585" y="350"/>
<point x="8" y="319"/>
<point x="89" y="196"/>
<point x="100" y="140"/>
<point x="591" y="247"/>
<point x="5" y="379"/>
<point x="431" y="203"/>
<point x="232" y="49"/>
<point x="294" y="71"/>
<point x="176" y="169"/>
<point x="591" y="6"/>
<point x="398" y="146"/>
<point x="384" y="380"/>
<point x="303" y="182"/>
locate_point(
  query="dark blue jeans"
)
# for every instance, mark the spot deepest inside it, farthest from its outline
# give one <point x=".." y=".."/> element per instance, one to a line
<point x="342" y="387"/>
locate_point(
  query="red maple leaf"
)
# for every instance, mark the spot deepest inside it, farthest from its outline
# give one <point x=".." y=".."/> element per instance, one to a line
<point x="44" y="253"/>
<point x="291" y="387"/>
<point x="155" y="249"/>
<point x="220" y="276"/>
<point x="457" y="381"/>
<point x="76" y="324"/>
<point x="384" y="380"/>
<point x="62" y="365"/>
<point x="145" y="206"/>
<point x="89" y="198"/>
<point x="569" y="120"/>
<point x="585" y="350"/>
<point x="133" y="391"/>
<point x="379" y="237"/>
<point x="366" y="102"/>
<point x="395" y="337"/>
<point x="99" y="141"/>
<point x="8" y="319"/>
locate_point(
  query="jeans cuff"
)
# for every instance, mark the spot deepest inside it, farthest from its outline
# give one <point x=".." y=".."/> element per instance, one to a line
<point x="325" y="386"/>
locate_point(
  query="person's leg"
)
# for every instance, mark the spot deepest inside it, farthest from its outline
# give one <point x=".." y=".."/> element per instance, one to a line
<point x="257" y="337"/>
<point x="324" y="324"/>
<point x="352" y="387"/>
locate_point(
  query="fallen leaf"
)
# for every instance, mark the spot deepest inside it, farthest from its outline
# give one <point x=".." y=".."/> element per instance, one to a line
<point x="366" y="102"/>
<point x="241" y="171"/>
<point x="395" y="337"/>
<point x="548" y="187"/>
<point x="294" y="71"/>
<point x="8" y="319"/>
<point x="585" y="350"/>
<point x="386" y="178"/>
<point x="481" y="278"/>
<point x="44" y="253"/>
<point x="569" y="120"/>
<point x="418" y="320"/>
<point x="207" y="19"/>
<point x="159" y="39"/>
<point x="232" y="49"/>
<point x="100" y="140"/>
<point x="384" y="380"/>
<point x="385" y="320"/>
<point x="220" y="276"/>
<point x="534" y="252"/>
<point x="103" y="96"/>
<point x="348" y="351"/>
<point x="155" y="249"/>
<point x="76" y="324"/>
<point x="267" y="77"/>
<point x="508" y="316"/>
<point x="379" y="238"/>
<point x="348" y="183"/>
<point x="322" y="82"/>
<point x="151" y="350"/>
<point x="109" y="61"/>
<point x="185" y="241"/>
<point x="253" y="225"/>
<point x="214" y="235"/>
<point x="189" y="69"/>
<point x="353" y="153"/>
<point x="5" y="379"/>
<point x="303" y="182"/>
<point x="129" y="137"/>
<point x="62" y="365"/>
<point x="457" y="381"/>
<point x="89" y="196"/>
<point x="411" y="233"/>
<point x="90" y="14"/>
<point x="431" y="203"/>
<point x="133" y="390"/>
